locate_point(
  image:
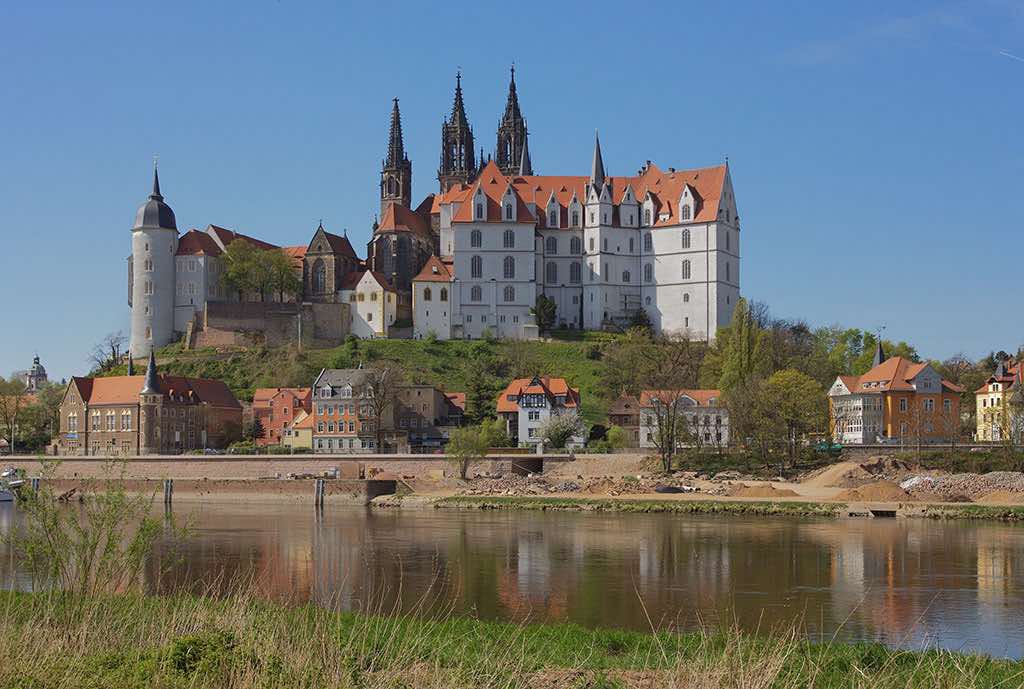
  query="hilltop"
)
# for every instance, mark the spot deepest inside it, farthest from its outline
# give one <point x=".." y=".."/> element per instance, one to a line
<point x="453" y="365"/>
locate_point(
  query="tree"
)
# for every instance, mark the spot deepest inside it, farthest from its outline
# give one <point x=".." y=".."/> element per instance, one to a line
<point x="283" y="278"/>
<point x="107" y="352"/>
<point x="14" y="399"/>
<point x="558" y="429"/>
<point x="616" y="437"/>
<point x="668" y="368"/>
<point x="495" y="433"/>
<point x="544" y="312"/>
<point x="239" y="268"/>
<point x="742" y="353"/>
<point x="640" y="319"/>
<point x="382" y="383"/>
<point x="797" y="406"/>
<point x="254" y="430"/>
<point x="622" y="364"/>
<point x="467" y="445"/>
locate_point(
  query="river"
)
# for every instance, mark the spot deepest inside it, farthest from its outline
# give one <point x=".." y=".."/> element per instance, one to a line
<point x="908" y="583"/>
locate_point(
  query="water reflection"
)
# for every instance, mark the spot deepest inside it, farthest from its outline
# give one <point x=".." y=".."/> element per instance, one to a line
<point x="904" y="582"/>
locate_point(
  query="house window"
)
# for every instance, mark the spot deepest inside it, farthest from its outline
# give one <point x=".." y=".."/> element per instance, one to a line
<point x="947" y="406"/>
<point x="685" y="212"/>
<point x="444" y="294"/>
<point x="686" y="269"/>
<point x="575" y="246"/>
<point x="510" y="238"/>
<point x="686" y="297"/>
<point x="551" y="272"/>
<point x="648" y="242"/>
<point x="574" y="272"/>
<point x="686" y="238"/>
<point x="426" y="294"/>
<point x="551" y="245"/>
<point x="929" y="405"/>
<point x="510" y="293"/>
<point x="475" y="238"/>
<point x="625" y="276"/>
<point x="648" y="272"/>
<point x="476" y="267"/>
<point x="591" y="242"/>
<point x="903" y="404"/>
<point x="509" y="268"/>
<point x="475" y="293"/>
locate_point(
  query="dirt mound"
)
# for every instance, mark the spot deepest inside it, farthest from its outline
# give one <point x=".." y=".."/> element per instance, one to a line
<point x="763" y="490"/>
<point x="879" y="491"/>
<point x="833" y="475"/>
<point x="1002" y="497"/>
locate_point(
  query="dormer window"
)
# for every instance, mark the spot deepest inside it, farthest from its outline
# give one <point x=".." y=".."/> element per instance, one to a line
<point x="508" y="211"/>
<point x="553" y="219"/>
<point x="479" y="211"/>
<point x="647" y="216"/>
<point x="684" y="212"/>
<point x="575" y="219"/>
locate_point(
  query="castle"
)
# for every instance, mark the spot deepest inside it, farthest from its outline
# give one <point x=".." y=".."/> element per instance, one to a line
<point x="473" y="258"/>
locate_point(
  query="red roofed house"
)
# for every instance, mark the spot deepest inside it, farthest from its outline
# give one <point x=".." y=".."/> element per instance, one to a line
<point x="145" y="415"/>
<point x="898" y="400"/>
<point x="1000" y="404"/>
<point x="700" y="418"/>
<point x="276" y="408"/>
<point x="432" y="299"/>
<point x="373" y="304"/>
<point x="528" y="402"/>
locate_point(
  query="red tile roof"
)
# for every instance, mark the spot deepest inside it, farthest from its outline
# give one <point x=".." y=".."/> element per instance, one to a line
<point x="893" y="374"/>
<point x="434" y="270"/>
<point x="550" y="387"/>
<point x="126" y="389"/>
<point x="703" y="398"/>
<point x="398" y="218"/>
<point x="197" y="243"/>
<point x="1013" y="374"/>
<point x="227" y="236"/>
<point x="457" y="399"/>
<point x="262" y="396"/>
<point x="296" y="253"/>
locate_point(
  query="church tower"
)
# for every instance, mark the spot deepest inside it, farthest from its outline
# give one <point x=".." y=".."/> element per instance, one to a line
<point x="151" y="273"/>
<point x="150" y="403"/>
<point x="457" y="163"/>
<point x="396" y="170"/>
<point x="512" y="135"/>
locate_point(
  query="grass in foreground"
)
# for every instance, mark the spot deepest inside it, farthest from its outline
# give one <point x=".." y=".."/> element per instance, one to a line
<point x="243" y="642"/>
<point x="793" y="509"/>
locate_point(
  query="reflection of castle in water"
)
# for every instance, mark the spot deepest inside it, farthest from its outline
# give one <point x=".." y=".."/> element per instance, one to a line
<point x="888" y="580"/>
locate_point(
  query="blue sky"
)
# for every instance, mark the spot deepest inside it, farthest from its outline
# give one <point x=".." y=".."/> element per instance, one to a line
<point x="875" y="146"/>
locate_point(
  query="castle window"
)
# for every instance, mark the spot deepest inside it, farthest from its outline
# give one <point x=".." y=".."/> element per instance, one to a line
<point x="684" y="213"/>
<point x="648" y="242"/>
<point x="553" y="219"/>
<point x="575" y="219"/>
<point x="551" y="245"/>
<point x="360" y="296"/>
<point x="686" y="269"/>
<point x="476" y="267"/>
<point x="426" y="294"/>
<point x="510" y="239"/>
<point x="648" y="272"/>
<point x="444" y="294"/>
<point x="647" y="216"/>
<point x="510" y="293"/>
<point x="686" y="239"/>
<point x="476" y="239"/>
<point x="591" y="243"/>
<point x="509" y="268"/>
<point x="625" y="276"/>
<point x="147" y="264"/>
<point x="373" y="296"/>
<point x="726" y="241"/>
<point x="574" y="272"/>
<point x="686" y="297"/>
<point x="728" y="271"/>
<point x="551" y="273"/>
<point x="148" y="287"/>
<point x="319" y="277"/>
<point x="591" y="217"/>
<point x="575" y="246"/>
<point x="631" y="245"/>
<point x="149" y="333"/>
<point x="476" y="294"/>
<point x="508" y="211"/>
<point x="647" y="301"/>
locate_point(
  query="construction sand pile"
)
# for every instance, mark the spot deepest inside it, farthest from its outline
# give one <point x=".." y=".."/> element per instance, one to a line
<point x="763" y="490"/>
<point x="1002" y="497"/>
<point x="879" y="491"/>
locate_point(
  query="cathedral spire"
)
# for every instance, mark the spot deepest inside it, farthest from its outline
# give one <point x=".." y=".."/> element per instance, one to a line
<point x="396" y="172"/>
<point x="396" y="147"/>
<point x="597" y="166"/>
<point x="525" y="166"/>
<point x="457" y="163"/>
<point x="152" y="383"/>
<point x="512" y="132"/>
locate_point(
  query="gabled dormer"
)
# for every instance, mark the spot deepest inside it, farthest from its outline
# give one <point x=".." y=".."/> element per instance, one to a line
<point x="509" y="205"/>
<point x="629" y="209"/>
<point x="553" y="212"/>
<point x="479" y="204"/>
<point x="689" y="204"/>
<point x="648" y="210"/>
<point x="575" y="211"/>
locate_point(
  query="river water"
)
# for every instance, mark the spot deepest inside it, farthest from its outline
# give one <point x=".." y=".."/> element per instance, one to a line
<point x="908" y="583"/>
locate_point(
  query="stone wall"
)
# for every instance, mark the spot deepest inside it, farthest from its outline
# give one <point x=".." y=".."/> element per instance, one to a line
<point x="273" y="324"/>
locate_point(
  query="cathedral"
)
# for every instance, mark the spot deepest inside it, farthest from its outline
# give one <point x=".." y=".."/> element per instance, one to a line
<point x="473" y="258"/>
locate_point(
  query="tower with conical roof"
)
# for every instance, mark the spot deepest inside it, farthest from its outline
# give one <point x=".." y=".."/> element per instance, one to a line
<point x="396" y="169"/>
<point x="151" y="273"/>
<point x="150" y="403"/>
<point x="458" y="165"/>
<point x="512" y="134"/>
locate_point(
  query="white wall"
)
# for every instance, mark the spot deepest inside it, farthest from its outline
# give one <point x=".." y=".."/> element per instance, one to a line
<point x="434" y="315"/>
<point x="154" y="310"/>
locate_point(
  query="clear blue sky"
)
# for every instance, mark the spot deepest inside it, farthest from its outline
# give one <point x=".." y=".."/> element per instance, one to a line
<point x="875" y="146"/>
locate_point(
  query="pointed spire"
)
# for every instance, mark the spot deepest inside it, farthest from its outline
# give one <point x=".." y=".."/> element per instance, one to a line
<point x="879" y="354"/>
<point x="396" y="147"/>
<point x="512" y="104"/>
<point x="525" y="166"/>
<point x="597" y="166"/>
<point x="131" y="365"/>
<point x="458" y="107"/>
<point x="152" y="384"/>
<point x="156" y="185"/>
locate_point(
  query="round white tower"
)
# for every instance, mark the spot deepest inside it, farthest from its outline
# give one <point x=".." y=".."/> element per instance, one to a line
<point x="154" y="242"/>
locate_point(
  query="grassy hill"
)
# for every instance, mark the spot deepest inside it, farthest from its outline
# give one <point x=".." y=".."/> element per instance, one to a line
<point x="449" y="365"/>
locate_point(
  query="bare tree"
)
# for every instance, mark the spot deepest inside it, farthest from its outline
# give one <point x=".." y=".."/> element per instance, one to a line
<point x="107" y="353"/>
<point x="668" y="369"/>
<point x="382" y="383"/>
<point x="14" y="399"/>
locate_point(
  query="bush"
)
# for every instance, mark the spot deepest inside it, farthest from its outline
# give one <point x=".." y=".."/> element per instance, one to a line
<point x="278" y="450"/>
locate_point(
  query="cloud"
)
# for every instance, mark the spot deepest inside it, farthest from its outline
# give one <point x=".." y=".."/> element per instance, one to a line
<point x="1011" y="56"/>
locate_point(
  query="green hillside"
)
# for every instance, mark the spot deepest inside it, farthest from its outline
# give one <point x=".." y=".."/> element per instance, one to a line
<point x="449" y="365"/>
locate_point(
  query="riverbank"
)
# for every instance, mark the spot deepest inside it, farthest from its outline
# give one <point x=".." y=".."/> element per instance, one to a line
<point x="242" y="641"/>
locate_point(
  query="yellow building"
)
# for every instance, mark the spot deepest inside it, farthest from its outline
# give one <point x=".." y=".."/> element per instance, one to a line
<point x="1000" y="404"/>
<point x="299" y="433"/>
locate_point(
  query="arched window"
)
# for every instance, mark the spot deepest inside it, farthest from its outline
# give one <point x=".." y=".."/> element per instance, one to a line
<point x="476" y="267"/>
<point x="686" y="269"/>
<point x="575" y="219"/>
<point x="575" y="246"/>
<point x="319" y="277"/>
<point x="648" y="272"/>
<point x="686" y="298"/>
<point x="553" y="218"/>
<point x="510" y="268"/>
<point x="508" y="211"/>
<point x="551" y="273"/>
<point x="510" y="293"/>
<point x="686" y="239"/>
<point x="648" y="243"/>
<point x="476" y="239"/>
<point x="510" y="239"/>
<point x="444" y="294"/>
<point x="647" y="301"/>
<point x="574" y="272"/>
<point x="479" y="211"/>
<point x="647" y="216"/>
<point x="625" y="276"/>
<point x="684" y="213"/>
<point x="475" y="293"/>
<point x="426" y="294"/>
<point x="551" y="245"/>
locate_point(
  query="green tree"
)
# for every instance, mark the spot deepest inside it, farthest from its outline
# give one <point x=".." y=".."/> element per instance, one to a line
<point x="284" y="279"/>
<point x="254" y="430"/>
<point x="240" y="272"/>
<point x="495" y="433"/>
<point x="544" y="312"/>
<point x="623" y="362"/>
<point x="558" y="429"/>
<point x="616" y="437"/>
<point x="743" y="352"/>
<point x="796" y="404"/>
<point x="467" y="445"/>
